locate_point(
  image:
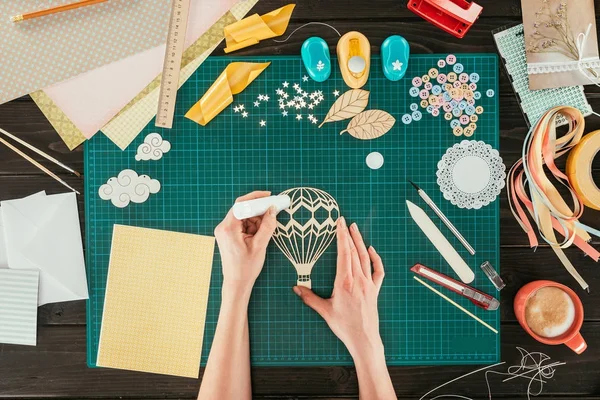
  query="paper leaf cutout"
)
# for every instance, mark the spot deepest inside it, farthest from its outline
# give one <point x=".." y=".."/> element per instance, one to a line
<point x="347" y="105"/>
<point x="370" y="124"/>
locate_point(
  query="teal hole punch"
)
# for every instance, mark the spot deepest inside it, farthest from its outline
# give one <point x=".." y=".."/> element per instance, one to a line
<point x="315" y="55"/>
<point x="395" y="52"/>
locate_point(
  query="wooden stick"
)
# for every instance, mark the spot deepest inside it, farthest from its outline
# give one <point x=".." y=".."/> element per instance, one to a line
<point x="461" y="308"/>
<point x="41" y="153"/>
<point x="54" y="10"/>
<point x="37" y="164"/>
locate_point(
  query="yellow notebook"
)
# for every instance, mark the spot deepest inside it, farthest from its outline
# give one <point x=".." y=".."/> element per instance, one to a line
<point x="155" y="303"/>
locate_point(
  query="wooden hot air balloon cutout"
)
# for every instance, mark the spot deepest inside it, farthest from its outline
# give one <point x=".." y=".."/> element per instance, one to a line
<point x="306" y="229"/>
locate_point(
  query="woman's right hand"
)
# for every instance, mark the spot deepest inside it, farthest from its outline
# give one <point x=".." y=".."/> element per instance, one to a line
<point x="351" y="312"/>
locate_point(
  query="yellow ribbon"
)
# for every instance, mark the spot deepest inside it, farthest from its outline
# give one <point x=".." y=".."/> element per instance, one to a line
<point x="235" y="78"/>
<point x="255" y="28"/>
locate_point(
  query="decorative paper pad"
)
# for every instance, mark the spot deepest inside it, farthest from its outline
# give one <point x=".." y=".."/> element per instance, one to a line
<point x="155" y="306"/>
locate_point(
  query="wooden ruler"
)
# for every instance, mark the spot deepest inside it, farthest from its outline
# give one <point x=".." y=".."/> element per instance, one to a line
<point x="169" y="82"/>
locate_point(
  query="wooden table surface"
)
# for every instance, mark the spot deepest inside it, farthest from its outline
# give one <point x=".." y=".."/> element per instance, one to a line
<point x="57" y="367"/>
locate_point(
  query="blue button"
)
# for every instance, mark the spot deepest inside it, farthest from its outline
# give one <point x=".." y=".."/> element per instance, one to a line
<point x="436" y="90"/>
<point x="470" y="110"/>
<point x="416" y="115"/>
<point x="474" y="77"/>
<point x="489" y="93"/>
<point x="456" y="112"/>
<point x="414" y="92"/>
<point x="414" y="107"/>
<point x="429" y="108"/>
<point x="447" y="96"/>
<point x="462" y="105"/>
<point x="458" y="68"/>
<point x="454" y="123"/>
<point x="477" y="95"/>
<point x="407" y="119"/>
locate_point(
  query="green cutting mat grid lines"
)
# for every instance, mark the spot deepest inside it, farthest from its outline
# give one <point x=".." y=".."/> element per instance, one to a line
<point x="208" y="167"/>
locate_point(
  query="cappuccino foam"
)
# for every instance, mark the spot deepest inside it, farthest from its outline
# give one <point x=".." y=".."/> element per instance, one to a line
<point x="550" y="312"/>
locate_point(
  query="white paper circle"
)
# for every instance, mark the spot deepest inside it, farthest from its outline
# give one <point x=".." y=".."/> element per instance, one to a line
<point x="356" y="64"/>
<point x="471" y="174"/>
<point x="374" y="160"/>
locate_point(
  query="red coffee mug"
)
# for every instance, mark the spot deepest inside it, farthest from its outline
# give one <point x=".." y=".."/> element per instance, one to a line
<point x="572" y="338"/>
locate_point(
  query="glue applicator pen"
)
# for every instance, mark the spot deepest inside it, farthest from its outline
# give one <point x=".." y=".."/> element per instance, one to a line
<point x="256" y="207"/>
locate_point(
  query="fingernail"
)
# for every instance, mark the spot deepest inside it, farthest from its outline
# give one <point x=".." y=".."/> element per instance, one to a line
<point x="343" y="222"/>
<point x="297" y="290"/>
<point x="273" y="210"/>
<point x="354" y="227"/>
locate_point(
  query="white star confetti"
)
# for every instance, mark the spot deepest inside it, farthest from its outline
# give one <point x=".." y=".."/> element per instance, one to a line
<point x="285" y="84"/>
<point x="310" y="116"/>
<point x="311" y="106"/>
<point x="256" y="103"/>
<point x="279" y="92"/>
<point x="241" y="107"/>
<point x="285" y="95"/>
<point x="299" y="117"/>
<point x="302" y="103"/>
<point x="314" y="121"/>
<point x="291" y="103"/>
<point x="266" y="97"/>
<point x="296" y="86"/>
<point x="336" y="93"/>
<point x="282" y="106"/>
<point x="263" y="122"/>
<point x="236" y="109"/>
<point x="284" y="113"/>
<point x="261" y="97"/>
<point x="244" y="114"/>
<point x="397" y="65"/>
<point x="305" y="78"/>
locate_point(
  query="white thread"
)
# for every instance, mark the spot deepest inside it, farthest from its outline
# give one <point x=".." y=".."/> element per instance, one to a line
<point x="302" y="26"/>
<point x="580" y="44"/>
<point x="530" y="363"/>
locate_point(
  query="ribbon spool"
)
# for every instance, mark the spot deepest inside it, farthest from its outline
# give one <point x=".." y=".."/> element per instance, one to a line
<point x="579" y="169"/>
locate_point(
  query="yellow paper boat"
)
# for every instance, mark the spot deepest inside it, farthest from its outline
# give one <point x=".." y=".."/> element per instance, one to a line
<point x="233" y="80"/>
<point x="255" y="28"/>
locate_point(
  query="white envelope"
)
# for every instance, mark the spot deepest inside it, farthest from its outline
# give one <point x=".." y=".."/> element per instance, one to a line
<point x="42" y="232"/>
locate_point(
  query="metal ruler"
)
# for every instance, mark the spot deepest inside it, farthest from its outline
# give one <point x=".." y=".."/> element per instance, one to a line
<point x="169" y="82"/>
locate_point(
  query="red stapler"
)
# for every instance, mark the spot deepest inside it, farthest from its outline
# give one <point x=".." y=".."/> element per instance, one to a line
<point x="454" y="16"/>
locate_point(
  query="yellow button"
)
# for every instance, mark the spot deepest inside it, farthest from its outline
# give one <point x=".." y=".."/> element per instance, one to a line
<point x="473" y="126"/>
<point x="458" y="131"/>
<point x="468" y="94"/>
<point x="468" y="132"/>
<point x="433" y="73"/>
<point x="464" y="86"/>
<point x="478" y="109"/>
<point x="424" y="103"/>
<point x="425" y="78"/>
<point x="474" y="118"/>
<point x="451" y="77"/>
<point x="448" y="116"/>
<point x="448" y="87"/>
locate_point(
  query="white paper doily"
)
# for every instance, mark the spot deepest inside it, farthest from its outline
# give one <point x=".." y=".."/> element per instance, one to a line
<point x="471" y="174"/>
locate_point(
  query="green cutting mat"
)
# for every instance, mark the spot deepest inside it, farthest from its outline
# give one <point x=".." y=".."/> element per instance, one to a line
<point x="208" y="167"/>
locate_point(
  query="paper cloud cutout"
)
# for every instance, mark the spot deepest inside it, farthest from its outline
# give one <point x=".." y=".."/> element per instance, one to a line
<point x="153" y="148"/>
<point x="128" y="187"/>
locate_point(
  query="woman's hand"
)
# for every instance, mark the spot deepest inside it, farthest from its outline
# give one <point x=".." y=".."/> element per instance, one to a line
<point x="243" y="246"/>
<point x="351" y="312"/>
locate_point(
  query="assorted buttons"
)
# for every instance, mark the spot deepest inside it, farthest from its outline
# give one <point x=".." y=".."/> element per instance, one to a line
<point x="452" y="93"/>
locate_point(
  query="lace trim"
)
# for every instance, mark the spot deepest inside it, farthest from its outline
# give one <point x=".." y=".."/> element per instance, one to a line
<point x="564" y="66"/>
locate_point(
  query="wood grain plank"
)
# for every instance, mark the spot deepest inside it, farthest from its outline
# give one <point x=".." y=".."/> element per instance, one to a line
<point x="56" y="368"/>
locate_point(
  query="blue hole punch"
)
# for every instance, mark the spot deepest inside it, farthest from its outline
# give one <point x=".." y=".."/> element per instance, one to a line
<point x="315" y="55"/>
<point x="395" y="52"/>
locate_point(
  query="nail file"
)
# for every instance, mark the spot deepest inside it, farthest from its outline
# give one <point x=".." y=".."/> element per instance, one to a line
<point x="441" y="243"/>
<point x="256" y="207"/>
<point x="476" y="297"/>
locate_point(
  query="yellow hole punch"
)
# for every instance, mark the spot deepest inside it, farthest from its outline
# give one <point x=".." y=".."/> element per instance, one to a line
<point x="354" y="57"/>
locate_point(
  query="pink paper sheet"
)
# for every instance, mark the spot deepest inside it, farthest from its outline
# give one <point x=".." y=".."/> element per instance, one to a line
<point x="93" y="98"/>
